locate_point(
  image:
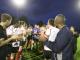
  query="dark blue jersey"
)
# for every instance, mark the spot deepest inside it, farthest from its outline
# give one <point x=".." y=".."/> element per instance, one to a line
<point x="64" y="44"/>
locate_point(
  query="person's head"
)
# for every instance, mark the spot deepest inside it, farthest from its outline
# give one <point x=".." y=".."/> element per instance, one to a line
<point x="17" y="25"/>
<point x="6" y="19"/>
<point x="36" y="26"/>
<point x="22" y="23"/>
<point x="72" y="29"/>
<point x="51" y="22"/>
<point x="59" y="20"/>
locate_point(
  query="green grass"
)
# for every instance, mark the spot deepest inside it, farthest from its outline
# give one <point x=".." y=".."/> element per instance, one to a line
<point x="32" y="55"/>
<point x="35" y="55"/>
<point x="77" y="55"/>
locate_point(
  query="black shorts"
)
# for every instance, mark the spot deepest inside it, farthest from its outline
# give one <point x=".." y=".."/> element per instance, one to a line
<point x="29" y="37"/>
<point x="12" y="49"/>
<point x="47" y="54"/>
<point x="22" y="43"/>
<point x="3" y="52"/>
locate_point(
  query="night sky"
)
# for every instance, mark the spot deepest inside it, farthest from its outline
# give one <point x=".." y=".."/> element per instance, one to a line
<point x="37" y="10"/>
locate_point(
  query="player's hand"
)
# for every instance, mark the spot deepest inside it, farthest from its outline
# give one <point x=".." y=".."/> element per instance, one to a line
<point x="16" y="37"/>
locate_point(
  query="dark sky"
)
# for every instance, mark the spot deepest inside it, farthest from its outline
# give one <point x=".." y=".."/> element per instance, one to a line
<point x="37" y="10"/>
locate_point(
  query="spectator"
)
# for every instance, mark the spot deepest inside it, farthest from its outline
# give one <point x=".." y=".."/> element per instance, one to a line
<point x="35" y="34"/>
<point x="50" y="35"/>
<point x="16" y="29"/>
<point x="5" y="22"/>
<point x="63" y="45"/>
<point x="30" y="41"/>
<point x="76" y="35"/>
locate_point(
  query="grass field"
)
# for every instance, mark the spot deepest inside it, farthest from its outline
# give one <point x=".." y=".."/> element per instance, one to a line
<point x="77" y="55"/>
<point x="35" y="55"/>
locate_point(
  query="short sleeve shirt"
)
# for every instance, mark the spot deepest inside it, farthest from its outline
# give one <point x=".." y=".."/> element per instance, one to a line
<point x="52" y="33"/>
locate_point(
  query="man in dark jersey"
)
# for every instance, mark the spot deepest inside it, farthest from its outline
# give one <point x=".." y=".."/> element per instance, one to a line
<point x="5" y="22"/>
<point x="64" y="43"/>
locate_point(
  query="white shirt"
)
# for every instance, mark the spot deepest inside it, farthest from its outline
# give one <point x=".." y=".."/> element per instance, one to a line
<point x="9" y="30"/>
<point x="13" y="31"/>
<point x="52" y="33"/>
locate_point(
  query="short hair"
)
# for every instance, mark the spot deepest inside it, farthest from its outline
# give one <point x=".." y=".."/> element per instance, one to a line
<point x="22" y="22"/>
<point x="62" y="16"/>
<point x="51" y="21"/>
<point x="5" y="17"/>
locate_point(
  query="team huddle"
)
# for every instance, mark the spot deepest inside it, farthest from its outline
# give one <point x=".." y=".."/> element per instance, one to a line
<point x="59" y="41"/>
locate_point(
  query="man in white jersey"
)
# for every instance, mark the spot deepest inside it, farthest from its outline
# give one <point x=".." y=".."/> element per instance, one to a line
<point x="14" y="45"/>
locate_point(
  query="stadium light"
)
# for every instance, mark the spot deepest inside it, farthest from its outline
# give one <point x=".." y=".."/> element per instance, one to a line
<point x="19" y="3"/>
<point x="78" y="5"/>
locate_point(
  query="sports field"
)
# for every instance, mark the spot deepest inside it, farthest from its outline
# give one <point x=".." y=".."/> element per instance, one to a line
<point x="36" y="55"/>
<point x="77" y="55"/>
